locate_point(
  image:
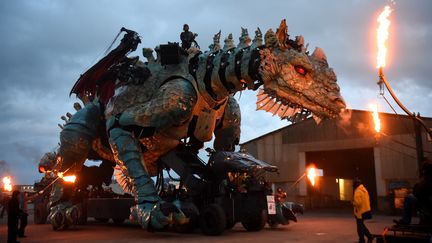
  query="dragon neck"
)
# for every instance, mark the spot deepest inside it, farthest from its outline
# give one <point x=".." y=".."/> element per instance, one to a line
<point x="225" y="72"/>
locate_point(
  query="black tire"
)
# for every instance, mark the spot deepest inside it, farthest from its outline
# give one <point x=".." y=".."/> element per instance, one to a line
<point x="118" y="221"/>
<point x="58" y="221"/>
<point x="254" y="218"/>
<point x="213" y="220"/>
<point x="102" y="220"/>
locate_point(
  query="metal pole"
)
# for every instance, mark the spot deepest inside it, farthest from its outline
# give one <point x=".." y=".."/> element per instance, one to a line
<point x="383" y="80"/>
<point x="419" y="142"/>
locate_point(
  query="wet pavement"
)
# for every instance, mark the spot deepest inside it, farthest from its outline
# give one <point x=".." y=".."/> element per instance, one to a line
<point x="313" y="226"/>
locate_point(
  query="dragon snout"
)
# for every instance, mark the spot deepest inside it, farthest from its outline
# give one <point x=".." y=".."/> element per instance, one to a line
<point x="340" y="103"/>
<point x="337" y="100"/>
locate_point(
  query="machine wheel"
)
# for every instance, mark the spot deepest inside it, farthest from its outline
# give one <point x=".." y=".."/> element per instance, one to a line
<point x="118" y="220"/>
<point x="254" y="218"/>
<point x="58" y="221"/>
<point x="213" y="220"/>
<point x="102" y="220"/>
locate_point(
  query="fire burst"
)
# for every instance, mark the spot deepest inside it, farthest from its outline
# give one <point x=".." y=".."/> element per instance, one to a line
<point x="311" y="174"/>
<point x="7" y="183"/>
<point x="70" y="178"/>
<point x="382" y="35"/>
<point x="376" y="118"/>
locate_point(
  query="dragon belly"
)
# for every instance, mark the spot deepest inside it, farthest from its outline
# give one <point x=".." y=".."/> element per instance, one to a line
<point x="157" y="146"/>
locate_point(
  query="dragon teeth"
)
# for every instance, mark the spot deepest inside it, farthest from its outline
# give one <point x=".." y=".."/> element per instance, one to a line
<point x="317" y="119"/>
<point x="261" y="99"/>
<point x="261" y="103"/>
<point x="275" y="108"/>
<point x="281" y="109"/>
<point x="269" y="105"/>
<point x="290" y="112"/>
<point x="282" y="112"/>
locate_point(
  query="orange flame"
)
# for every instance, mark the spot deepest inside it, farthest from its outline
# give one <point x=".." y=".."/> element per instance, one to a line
<point x="70" y="178"/>
<point x="382" y="36"/>
<point x="311" y="174"/>
<point x="375" y="117"/>
<point x="7" y="183"/>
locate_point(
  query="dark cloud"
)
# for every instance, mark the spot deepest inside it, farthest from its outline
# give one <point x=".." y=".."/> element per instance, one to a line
<point x="4" y="168"/>
<point x="47" y="44"/>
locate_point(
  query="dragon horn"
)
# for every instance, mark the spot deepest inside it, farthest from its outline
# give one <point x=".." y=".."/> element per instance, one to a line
<point x="300" y="42"/>
<point x="270" y="38"/>
<point x="282" y="35"/>
<point x="257" y="41"/>
<point x="216" y="42"/>
<point x="229" y="42"/>
<point x="217" y="36"/>
<point x="319" y="54"/>
<point x="244" y="38"/>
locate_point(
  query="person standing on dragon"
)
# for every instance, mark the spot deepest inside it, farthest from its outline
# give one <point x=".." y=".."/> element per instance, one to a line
<point x="148" y="109"/>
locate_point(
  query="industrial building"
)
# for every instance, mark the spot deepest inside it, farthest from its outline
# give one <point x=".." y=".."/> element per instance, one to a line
<point x="384" y="161"/>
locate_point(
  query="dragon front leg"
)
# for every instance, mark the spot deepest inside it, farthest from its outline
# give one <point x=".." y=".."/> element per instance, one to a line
<point x="170" y="107"/>
<point x="127" y="150"/>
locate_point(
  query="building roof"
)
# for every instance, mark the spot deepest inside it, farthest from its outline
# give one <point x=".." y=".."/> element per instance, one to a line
<point x="359" y="122"/>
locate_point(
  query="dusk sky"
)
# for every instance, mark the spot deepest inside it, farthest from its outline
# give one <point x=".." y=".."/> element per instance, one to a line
<point x="47" y="44"/>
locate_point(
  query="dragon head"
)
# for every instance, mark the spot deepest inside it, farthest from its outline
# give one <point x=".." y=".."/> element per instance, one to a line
<point x="296" y="84"/>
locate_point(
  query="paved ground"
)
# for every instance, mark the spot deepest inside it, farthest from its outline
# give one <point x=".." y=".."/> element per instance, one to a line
<point x="313" y="226"/>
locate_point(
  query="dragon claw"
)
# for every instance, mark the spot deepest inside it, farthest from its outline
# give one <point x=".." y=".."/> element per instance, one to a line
<point x="158" y="215"/>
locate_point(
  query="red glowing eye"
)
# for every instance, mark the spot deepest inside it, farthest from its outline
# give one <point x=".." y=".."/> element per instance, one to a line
<point x="300" y="70"/>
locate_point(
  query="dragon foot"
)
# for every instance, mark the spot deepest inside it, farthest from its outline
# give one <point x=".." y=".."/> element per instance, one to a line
<point x="157" y="215"/>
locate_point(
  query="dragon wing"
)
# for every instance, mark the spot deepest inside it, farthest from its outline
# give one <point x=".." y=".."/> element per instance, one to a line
<point x="96" y="78"/>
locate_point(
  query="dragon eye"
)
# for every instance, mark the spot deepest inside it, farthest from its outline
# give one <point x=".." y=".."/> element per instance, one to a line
<point x="301" y="70"/>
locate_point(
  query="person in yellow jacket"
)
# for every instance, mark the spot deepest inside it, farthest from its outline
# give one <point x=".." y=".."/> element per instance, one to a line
<point x="361" y="205"/>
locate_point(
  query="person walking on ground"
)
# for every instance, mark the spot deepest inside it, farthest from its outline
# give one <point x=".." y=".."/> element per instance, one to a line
<point x="23" y="214"/>
<point x="362" y="208"/>
<point x="13" y="217"/>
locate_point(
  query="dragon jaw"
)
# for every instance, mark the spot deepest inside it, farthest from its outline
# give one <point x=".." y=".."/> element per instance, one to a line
<point x="297" y="85"/>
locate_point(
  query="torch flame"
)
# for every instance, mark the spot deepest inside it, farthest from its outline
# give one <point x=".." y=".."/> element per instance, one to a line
<point x="382" y="35"/>
<point x="311" y="174"/>
<point x="70" y="178"/>
<point x="376" y="118"/>
<point x="7" y="183"/>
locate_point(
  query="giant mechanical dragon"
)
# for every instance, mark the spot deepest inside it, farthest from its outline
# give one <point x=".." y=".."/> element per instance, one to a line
<point x="135" y="111"/>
